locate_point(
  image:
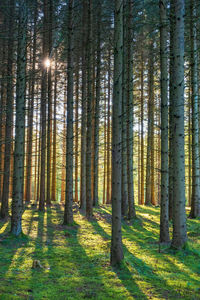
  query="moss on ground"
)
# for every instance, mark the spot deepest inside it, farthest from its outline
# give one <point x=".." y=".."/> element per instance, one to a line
<point x="75" y="259"/>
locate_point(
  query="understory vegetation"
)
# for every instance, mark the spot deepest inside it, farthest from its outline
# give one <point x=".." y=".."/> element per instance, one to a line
<point x="74" y="261"/>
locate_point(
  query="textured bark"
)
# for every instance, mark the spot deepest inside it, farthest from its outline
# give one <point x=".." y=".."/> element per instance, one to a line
<point x="116" y="241"/>
<point x="3" y="104"/>
<point x="142" y="128"/>
<point x="53" y="181"/>
<point x="104" y="150"/>
<point x="171" y="118"/>
<point x="108" y="193"/>
<point x="30" y="116"/>
<point x="84" y="112"/>
<point x="76" y="132"/>
<point x="97" y="101"/>
<point x="9" y="113"/>
<point x="89" y="204"/>
<point x="124" y="188"/>
<point x="49" y="122"/>
<point x="43" y="109"/>
<point x="131" y="205"/>
<point x="68" y="214"/>
<point x="164" y="208"/>
<point x="195" y="200"/>
<point x="179" y="217"/>
<point x="63" y="176"/>
<point x="18" y="174"/>
<point x="150" y="139"/>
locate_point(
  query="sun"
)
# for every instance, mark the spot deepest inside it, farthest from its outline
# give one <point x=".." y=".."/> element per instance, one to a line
<point x="47" y="63"/>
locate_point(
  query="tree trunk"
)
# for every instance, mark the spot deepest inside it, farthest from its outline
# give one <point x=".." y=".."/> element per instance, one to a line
<point x="89" y="204"/>
<point x="9" y="113"/>
<point x="116" y="241"/>
<point x="84" y="111"/>
<point x="98" y="90"/>
<point x="179" y="217"/>
<point x="164" y="209"/>
<point x="68" y="214"/>
<point x="43" y="109"/>
<point x="30" y="119"/>
<point x="18" y="174"/>
<point x="195" y="200"/>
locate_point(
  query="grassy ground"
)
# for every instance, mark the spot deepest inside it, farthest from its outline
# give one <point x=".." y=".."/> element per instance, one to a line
<point x="75" y="260"/>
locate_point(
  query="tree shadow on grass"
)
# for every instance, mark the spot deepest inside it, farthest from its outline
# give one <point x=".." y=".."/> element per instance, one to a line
<point x="139" y="268"/>
<point x="72" y="273"/>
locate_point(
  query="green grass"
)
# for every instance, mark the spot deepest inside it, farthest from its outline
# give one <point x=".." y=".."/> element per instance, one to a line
<point x="75" y="259"/>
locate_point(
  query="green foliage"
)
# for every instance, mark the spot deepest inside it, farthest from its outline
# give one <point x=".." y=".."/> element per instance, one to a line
<point x="75" y="259"/>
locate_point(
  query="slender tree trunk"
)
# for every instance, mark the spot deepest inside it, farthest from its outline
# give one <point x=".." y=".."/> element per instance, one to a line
<point x="108" y="194"/>
<point x="164" y="209"/>
<point x="195" y="200"/>
<point x="76" y="132"/>
<point x="43" y="109"/>
<point x="49" y="122"/>
<point x="84" y="112"/>
<point x="68" y="214"/>
<point x="9" y="113"/>
<point x="116" y="241"/>
<point x="30" y="120"/>
<point x="3" y="105"/>
<point x="179" y="216"/>
<point x="98" y="90"/>
<point x="89" y="204"/>
<point x="53" y="181"/>
<point x="131" y="205"/>
<point x="18" y="174"/>
<point x="142" y="129"/>
<point x="124" y="188"/>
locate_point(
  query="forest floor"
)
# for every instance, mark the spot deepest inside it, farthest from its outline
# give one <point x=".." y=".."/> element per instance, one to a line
<point x="75" y="259"/>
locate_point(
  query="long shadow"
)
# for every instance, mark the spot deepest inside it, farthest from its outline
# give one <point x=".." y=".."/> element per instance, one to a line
<point x="80" y="271"/>
<point x="140" y="266"/>
<point x="10" y="246"/>
<point x="123" y="273"/>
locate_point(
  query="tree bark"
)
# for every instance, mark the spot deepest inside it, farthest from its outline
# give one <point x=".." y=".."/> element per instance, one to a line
<point x="179" y="216"/>
<point x="68" y="214"/>
<point x="18" y="173"/>
<point x="116" y="241"/>
<point x="164" y="208"/>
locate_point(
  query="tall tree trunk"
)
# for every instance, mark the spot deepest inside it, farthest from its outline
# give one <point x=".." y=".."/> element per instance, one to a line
<point x="131" y="205"/>
<point x="43" y="108"/>
<point x="18" y="174"/>
<point x="84" y="111"/>
<point x="9" y="113"/>
<point x="195" y="203"/>
<point x="164" y="209"/>
<point x="116" y="241"/>
<point x="30" y="119"/>
<point x="76" y="131"/>
<point x="89" y="204"/>
<point x="68" y="214"/>
<point x="49" y="122"/>
<point x="124" y="188"/>
<point x="142" y="128"/>
<point x="108" y="194"/>
<point x="179" y="216"/>
<point x="53" y="181"/>
<point x="96" y="127"/>
<point x="3" y="104"/>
